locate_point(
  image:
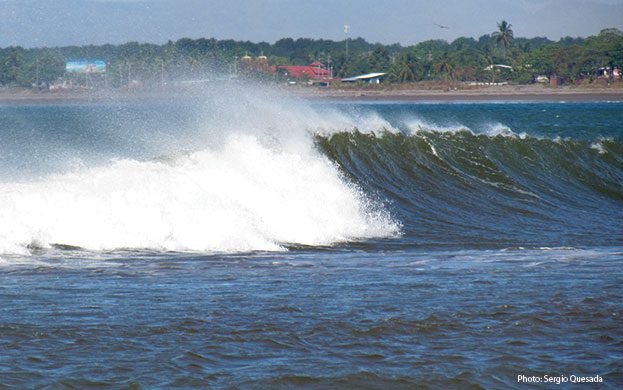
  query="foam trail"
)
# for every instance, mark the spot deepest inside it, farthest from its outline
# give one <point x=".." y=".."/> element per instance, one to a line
<point x="416" y="125"/>
<point x="499" y="129"/>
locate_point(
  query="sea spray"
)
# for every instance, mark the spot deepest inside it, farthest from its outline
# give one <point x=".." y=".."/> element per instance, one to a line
<point x="251" y="179"/>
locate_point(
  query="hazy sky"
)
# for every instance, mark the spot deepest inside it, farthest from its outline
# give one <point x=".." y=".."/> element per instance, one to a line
<point x="34" y="23"/>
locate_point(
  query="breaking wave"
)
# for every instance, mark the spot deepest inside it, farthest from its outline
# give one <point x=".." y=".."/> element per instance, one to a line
<point x="245" y="177"/>
<point x="456" y="186"/>
<point x="258" y="172"/>
<point x="241" y="197"/>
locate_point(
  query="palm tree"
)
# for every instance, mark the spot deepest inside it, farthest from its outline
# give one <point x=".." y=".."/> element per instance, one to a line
<point x="504" y="35"/>
<point x="406" y="67"/>
<point x="445" y="66"/>
<point x="406" y="73"/>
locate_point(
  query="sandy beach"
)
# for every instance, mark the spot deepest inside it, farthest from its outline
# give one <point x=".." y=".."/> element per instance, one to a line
<point x="471" y="93"/>
<point x="435" y="93"/>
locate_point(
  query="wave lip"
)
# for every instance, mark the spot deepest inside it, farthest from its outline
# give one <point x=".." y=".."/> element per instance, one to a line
<point x="418" y="126"/>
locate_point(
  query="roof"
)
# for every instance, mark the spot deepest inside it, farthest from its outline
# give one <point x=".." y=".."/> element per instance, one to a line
<point x="366" y="76"/>
<point x="317" y="64"/>
<point x="498" y="66"/>
<point x="299" y="72"/>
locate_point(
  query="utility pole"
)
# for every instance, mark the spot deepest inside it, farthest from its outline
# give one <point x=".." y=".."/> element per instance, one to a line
<point x="329" y="66"/>
<point x="120" y="70"/>
<point x="37" y="73"/>
<point x="346" y="32"/>
<point x="161" y="73"/>
<point x="129" y="74"/>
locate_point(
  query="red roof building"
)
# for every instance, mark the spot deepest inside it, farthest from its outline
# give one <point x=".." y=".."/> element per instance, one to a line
<point x="313" y="71"/>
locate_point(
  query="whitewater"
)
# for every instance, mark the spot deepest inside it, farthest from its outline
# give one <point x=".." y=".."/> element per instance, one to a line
<point x="249" y="179"/>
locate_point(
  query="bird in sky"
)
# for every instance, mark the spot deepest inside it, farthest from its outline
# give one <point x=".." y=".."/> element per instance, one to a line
<point x="441" y="26"/>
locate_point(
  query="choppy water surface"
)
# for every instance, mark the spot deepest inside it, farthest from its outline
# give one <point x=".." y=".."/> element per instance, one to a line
<point x="244" y="241"/>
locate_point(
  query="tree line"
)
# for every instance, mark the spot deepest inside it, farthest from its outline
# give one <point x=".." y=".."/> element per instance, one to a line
<point x="464" y="59"/>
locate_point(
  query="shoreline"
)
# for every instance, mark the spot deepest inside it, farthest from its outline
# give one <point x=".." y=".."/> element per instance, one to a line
<point x="468" y="97"/>
<point x="521" y="93"/>
<point x="517" y="93"/>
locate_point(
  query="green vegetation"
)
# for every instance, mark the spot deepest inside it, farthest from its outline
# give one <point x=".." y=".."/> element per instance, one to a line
<point x="504" y="36"/>
<point x="464" y="59"/>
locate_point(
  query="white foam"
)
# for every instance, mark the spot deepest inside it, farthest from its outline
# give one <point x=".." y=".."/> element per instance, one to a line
<point x="599" y="147"/>
<point x="499" y="129"/>
<point x="416" y="125"/>
<point x="242" y="196"/>
<point x="331" y="122"/>
<point x="432" y="148"/>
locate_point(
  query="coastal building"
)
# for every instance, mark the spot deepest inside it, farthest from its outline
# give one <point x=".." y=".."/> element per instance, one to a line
<point x="86" y="74"/>
<point x="257" y="65"/>
<point x="314" y="72"/>
<point x="610" y="72"/>
<point x="542" y="79"/>
<point x="370" y="78"/>
<point x="499" y="66"/>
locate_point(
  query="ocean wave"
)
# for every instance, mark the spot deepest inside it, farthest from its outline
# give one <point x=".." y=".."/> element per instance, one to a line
<point x="243" y="196"/>
<point x="466" y="188"/>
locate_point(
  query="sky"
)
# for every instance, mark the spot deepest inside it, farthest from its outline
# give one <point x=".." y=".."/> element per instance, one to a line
<point x="38" y="23"/>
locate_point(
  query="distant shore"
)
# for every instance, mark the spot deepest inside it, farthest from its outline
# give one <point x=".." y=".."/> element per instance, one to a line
<point x="476" y="93"/>
<point x="436" y="93"/>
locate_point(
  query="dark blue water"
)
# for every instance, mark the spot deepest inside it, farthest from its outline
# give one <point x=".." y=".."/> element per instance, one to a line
<point x="577" y="120"/>
<point x="488" y="245"/>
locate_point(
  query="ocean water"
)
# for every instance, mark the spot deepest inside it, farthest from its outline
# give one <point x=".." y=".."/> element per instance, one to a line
<point x="241" y="238"/>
